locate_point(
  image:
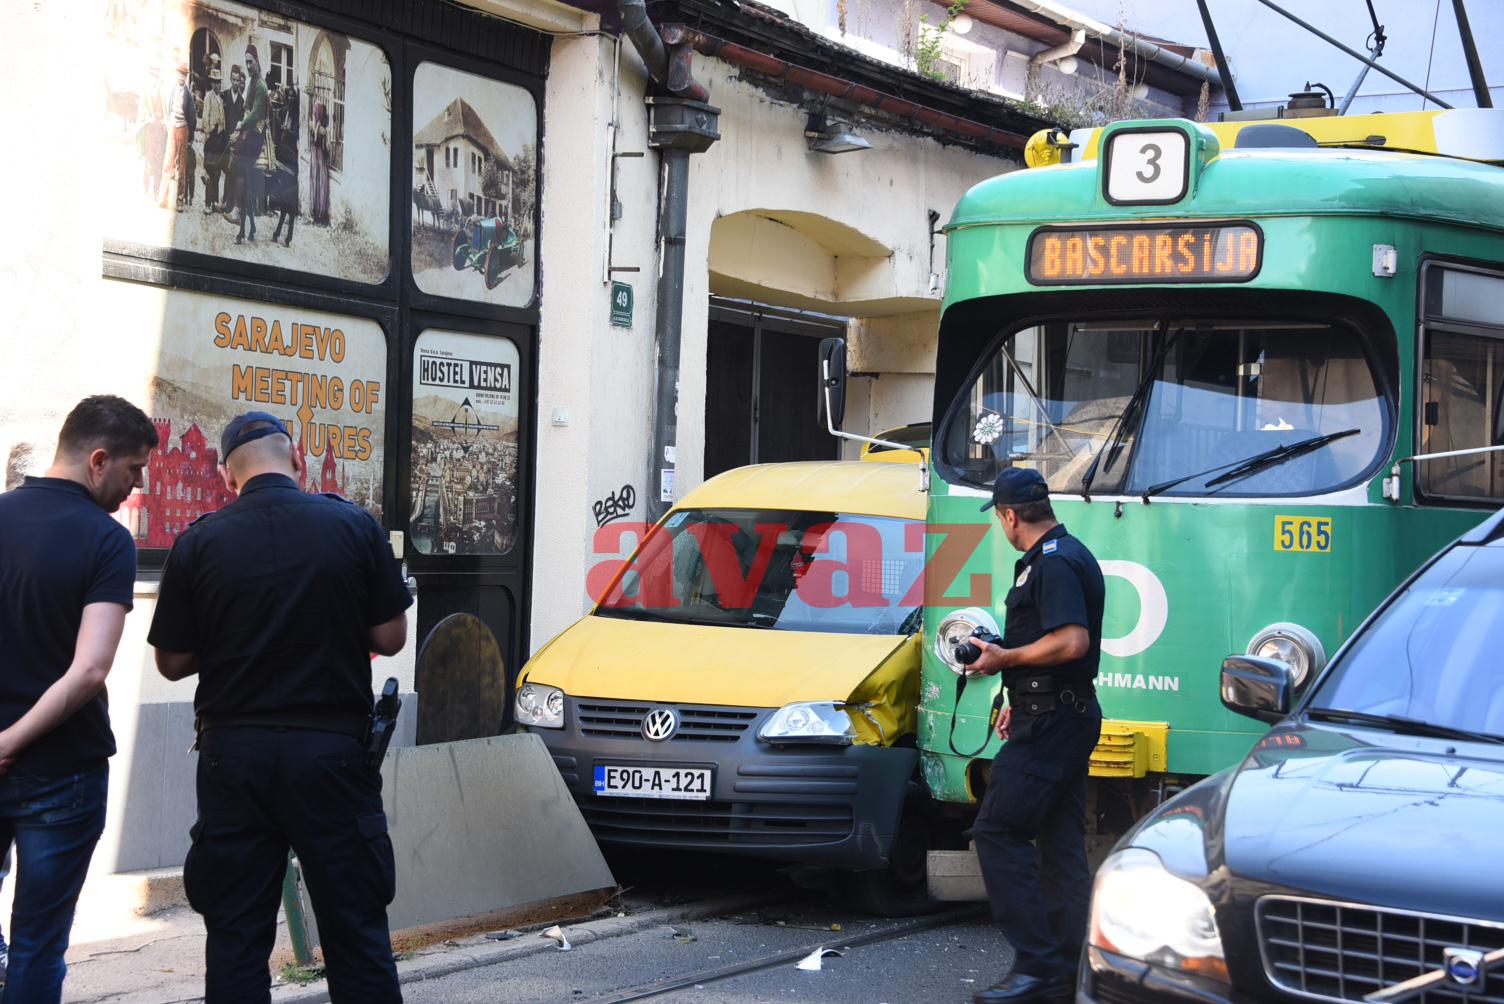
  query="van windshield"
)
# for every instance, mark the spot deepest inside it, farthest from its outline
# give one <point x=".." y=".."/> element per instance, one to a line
<point x="786" y="570"/>
<point x="1433" y="655"/>
<point x="1172" y="405"/>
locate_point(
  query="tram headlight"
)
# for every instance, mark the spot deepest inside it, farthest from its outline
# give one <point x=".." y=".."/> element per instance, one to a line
<point x="1292" y="645"/>
<point x="1141" y="910"/>
<point x="957" y="628"/>
<point x="540" y="706"/>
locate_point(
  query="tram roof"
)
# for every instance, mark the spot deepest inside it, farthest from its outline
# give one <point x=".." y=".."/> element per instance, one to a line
<point x="1258" y="182"/>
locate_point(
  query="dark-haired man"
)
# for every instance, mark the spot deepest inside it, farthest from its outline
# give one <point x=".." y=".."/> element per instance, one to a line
<point x="1036" y="793"/>
<point x="276" y="601"/>
<point x="67" y="579"/>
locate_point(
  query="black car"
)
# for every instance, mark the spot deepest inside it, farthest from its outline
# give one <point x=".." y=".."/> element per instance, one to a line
<point x="1358" y="851"/>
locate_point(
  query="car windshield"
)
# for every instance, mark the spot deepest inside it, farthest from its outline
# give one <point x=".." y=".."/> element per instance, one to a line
<point x="781" y="569"/>
<point x="1433" y="654"/>
<point x="1128" y="406"/>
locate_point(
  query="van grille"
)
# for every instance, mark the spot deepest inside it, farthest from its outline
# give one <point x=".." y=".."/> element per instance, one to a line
<point x="660" y="822"/>
<point x="1340" y="952"/>
<point x="623" y="720"/>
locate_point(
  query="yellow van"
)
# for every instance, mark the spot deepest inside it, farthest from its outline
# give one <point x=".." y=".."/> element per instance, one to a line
<point x="748" y="682"/>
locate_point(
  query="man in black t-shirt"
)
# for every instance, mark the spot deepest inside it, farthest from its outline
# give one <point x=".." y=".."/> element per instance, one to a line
<point x="276" y="601"/>
<point x="1036" y="793"/>
<point x="67" y="579"/>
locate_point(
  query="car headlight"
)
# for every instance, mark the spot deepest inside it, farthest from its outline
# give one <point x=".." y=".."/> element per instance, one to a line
<point x="1140" y="910"/>
<point x="1292" y="645"/>
<point x="957" y="628"/>
<point x="808" y="722"/>
<point x="540" y="706"/>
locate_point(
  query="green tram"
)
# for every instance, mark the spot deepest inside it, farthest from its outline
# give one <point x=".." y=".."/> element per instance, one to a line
<point x="1225" y="348"/>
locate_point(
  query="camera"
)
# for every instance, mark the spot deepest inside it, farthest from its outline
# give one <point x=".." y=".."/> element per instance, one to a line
<point x="966" y="653"/>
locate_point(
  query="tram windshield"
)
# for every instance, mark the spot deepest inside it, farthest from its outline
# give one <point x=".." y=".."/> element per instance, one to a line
<point x="1173" y="406"/>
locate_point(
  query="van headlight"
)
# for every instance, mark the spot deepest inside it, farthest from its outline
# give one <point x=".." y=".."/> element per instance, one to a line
<point x="955" y="629"/>
<point x="1292" y="645"/>
<point x="1140" y="910"/>
<point x="540" y="706"/>
<point x="808" y="722"/>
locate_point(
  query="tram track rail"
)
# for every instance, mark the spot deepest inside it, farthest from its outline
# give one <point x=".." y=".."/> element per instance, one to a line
<point x="670" y="984"/>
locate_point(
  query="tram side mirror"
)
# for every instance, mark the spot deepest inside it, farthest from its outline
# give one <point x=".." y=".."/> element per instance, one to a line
<point x="1258" y="688"/>
<point x="833" y="381"/>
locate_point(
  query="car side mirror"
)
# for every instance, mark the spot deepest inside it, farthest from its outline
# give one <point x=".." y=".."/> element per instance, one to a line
<point x="833" y="381"/>
<point x="1258" y="688"/>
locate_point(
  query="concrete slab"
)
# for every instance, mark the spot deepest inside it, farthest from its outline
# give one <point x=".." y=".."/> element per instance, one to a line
<point x="955" y="876"/>
<point x="483" y="825"/>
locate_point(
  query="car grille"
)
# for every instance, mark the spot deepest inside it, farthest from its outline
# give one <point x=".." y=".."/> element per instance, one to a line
<point x="623" y="720"/>
<point x="1338" y="951"/>
<point x="661" y="822"/>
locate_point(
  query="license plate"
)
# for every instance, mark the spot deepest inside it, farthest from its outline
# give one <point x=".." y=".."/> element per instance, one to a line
<point x="652" y="782"/>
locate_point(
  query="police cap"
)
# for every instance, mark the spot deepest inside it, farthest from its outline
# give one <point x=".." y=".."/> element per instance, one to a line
<point x="242" y="429"/>
<point x="1016" y="486"/>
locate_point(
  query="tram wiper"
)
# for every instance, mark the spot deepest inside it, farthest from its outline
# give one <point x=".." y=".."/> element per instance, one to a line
<point x="1404" y="725"/>
<point x="1278" y="455"/>
<point x="1125" y="421"/>
<point x="1242" y="468"/>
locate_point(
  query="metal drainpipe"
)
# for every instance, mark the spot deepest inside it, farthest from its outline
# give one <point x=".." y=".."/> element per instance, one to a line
<point x="677" y="127"/>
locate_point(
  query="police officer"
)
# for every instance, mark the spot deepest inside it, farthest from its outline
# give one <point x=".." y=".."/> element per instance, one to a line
<point x="275" y="602"/>
<point x="1036" y="795"/>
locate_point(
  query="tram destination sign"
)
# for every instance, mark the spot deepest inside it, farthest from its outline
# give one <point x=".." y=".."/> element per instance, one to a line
<point x="1080" y="256"/>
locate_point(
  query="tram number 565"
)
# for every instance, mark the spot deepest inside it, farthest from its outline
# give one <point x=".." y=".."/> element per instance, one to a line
<point x="1303" y="533"/>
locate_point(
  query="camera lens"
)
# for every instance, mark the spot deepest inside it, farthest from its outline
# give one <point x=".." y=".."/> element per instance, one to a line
<point x="966" y="653"/>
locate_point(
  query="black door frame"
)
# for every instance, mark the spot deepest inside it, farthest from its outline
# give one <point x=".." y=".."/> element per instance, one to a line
<point x="762" y="317"/>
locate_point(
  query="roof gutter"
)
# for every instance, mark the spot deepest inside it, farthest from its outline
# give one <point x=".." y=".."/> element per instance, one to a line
<point x="1059" y="52"/>
<point x="1111" y="36"/>
<point x="680" y="37"/>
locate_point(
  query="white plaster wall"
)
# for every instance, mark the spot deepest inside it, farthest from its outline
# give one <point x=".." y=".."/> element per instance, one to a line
<point x="604" y="376"/>
<point x="596" y="377"/>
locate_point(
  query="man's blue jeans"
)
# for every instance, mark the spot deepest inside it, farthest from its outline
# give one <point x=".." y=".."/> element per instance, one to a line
<point x="55" y="823"/>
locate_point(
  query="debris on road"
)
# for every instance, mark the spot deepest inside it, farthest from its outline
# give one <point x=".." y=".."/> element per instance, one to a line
<point x="556" y="933"/>
<point x="811" y="962"/>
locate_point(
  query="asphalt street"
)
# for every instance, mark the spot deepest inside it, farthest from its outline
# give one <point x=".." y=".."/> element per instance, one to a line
<point x="944" y="964"/>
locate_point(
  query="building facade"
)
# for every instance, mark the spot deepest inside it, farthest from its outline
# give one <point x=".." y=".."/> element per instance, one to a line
<point x="427" y="236"/>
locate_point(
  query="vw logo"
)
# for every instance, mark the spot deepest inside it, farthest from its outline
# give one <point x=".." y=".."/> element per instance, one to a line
<point x="660" y="724"/>
<point x="1464" y="968"/>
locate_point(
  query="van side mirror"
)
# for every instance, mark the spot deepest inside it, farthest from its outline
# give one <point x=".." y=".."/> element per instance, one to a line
<point x="1258" y="688"/>
<point x="833" y="381"/>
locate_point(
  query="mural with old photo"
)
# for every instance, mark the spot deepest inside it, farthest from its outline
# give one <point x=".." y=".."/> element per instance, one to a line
<point x="464" y="459"/>
<point x="475" y="166"/>
<point x="241" y="133"/>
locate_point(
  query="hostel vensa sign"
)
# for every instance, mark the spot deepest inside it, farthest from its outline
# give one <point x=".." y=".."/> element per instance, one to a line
<point x="311" y="394"/>
<point x="324" y="374"/>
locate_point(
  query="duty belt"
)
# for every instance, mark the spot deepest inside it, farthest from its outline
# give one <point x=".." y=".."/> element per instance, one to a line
<point x="1037" y="694"/>
<point x="343" y="723"/>
<point x="1041" y="693"/>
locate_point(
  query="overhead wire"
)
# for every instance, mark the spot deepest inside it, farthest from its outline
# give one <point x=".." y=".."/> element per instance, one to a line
<point x="1435" y="18"/>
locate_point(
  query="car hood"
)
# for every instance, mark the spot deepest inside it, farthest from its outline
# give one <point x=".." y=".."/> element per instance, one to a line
<point x="1368" y="816"/>
<point x="700" y="664"/>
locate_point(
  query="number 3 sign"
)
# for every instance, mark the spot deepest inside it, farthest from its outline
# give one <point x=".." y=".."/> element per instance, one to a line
<point x="1144" y="166"/>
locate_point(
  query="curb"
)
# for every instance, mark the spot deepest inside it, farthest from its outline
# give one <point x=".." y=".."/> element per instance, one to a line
<point x="439" y="964"/>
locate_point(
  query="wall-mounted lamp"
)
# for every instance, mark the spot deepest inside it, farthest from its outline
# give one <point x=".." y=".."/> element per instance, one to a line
<point x="961" y="24"/>
<point x="825" y="135"/>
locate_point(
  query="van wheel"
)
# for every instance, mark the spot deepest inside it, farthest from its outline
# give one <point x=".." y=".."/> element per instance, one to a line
<point x="901" y="889"/>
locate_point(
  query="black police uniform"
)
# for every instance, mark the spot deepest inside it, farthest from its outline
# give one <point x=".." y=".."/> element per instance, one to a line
<point x="276" y="594"/>
<point x="1036" y="794"/>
